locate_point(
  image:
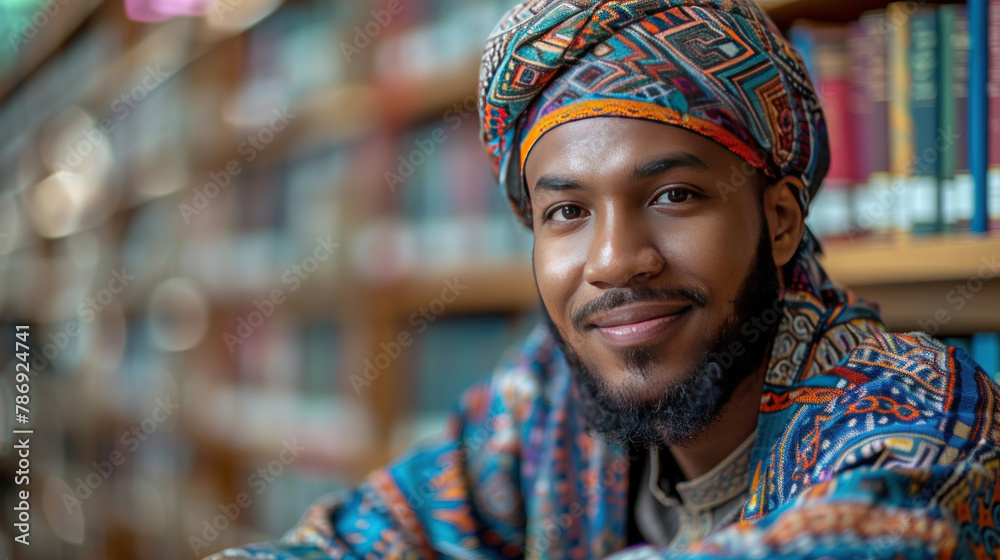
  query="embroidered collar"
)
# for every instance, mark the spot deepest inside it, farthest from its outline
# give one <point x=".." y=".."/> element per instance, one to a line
<point x="722" y="483"/>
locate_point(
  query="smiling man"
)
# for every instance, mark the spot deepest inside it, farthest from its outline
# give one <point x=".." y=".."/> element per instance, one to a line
<point x="698" y="388"/>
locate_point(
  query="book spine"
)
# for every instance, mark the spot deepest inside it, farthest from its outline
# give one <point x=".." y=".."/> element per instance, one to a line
<point x="962" y="198"/>
<point x="873" y="206"/>
<point x="861" y="103"/>
<point x="801" y="38"/>
<point x="986" y="352"/>
<point x="831" y="65"/>
<point x="924" y="209"/>
<point x="900" y="116"/>
<point x="978" y="110"/>
<point x="861" y="112"/>
<point x="993" y="88"/>
<point x="946" y="115"/>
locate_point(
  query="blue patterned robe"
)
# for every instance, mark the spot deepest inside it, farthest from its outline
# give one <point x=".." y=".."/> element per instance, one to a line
<point x="868" y="445"/>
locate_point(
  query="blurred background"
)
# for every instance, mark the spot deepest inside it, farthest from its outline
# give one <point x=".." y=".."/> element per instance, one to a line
<point x="260" y="251"/>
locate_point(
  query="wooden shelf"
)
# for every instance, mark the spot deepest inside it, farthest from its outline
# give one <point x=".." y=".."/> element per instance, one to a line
<point x="784" y="12"/>
<point x="347" y="111"/>
<point x="908" y="260"/>
<point x="942" y="284"/>
<point x="491" y="287"/>
<point x="910" y="278"/>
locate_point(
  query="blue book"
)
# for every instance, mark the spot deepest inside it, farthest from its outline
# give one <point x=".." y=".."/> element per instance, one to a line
<point x="979" y="110"/>
<point x="320" y="350"/>
<point x="453" y="354"/>
<point x="803" y="41"/>
<point x="993" y="112"/>
<point x="986" y="352"/>
<point x="962" y="343"/>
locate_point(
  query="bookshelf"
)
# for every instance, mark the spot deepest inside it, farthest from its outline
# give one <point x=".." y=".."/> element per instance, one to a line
<point x="784" y="12"/>
<point x="910" y="260"/>
<point x="321" y="176"/>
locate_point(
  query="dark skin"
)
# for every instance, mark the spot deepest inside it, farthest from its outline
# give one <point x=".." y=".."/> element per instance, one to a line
<point x="620" y="202"/>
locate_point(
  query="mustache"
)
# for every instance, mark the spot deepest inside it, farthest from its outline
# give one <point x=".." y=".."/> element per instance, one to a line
<point x="618" y="297"/>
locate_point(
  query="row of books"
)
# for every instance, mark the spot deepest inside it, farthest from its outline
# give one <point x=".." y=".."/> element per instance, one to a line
<point x="294" y="53"/>
<point x="316" y="362"/>
<point x="440" y="187"/>
<point x="453" y="354"/>
<point x="906" y="91"/>
<point x="984" y="347"/>
<point x="304" y="48"/>
<point x="234" y="250"/>
<point x="443" y="34"/>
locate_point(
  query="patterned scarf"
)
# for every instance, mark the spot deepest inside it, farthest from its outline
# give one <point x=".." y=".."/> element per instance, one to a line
<point x="716" y="67"/>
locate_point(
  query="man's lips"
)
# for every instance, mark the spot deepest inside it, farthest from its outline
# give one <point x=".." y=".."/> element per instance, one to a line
<point x="638" y="323"/>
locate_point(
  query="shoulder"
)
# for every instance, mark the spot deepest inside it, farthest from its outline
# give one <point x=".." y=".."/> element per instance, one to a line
<point x="902" y="403"/>
<point x="913" y="368"/>
<point x="898" y="400"/>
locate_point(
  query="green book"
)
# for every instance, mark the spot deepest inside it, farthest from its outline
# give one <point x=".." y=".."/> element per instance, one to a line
<point x="924" y="207"/>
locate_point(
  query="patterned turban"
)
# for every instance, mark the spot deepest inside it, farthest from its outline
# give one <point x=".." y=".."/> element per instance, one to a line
<point x="716" y="67"/>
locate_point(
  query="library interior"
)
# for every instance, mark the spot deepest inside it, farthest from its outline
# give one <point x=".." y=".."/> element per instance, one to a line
<point x="261" y="251"/>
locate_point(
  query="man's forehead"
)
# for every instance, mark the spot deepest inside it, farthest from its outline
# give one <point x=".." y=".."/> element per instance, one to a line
<point x="638" y="147"/>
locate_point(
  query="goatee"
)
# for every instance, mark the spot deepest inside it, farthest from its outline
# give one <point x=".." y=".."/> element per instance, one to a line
<point x="685" y="409"/>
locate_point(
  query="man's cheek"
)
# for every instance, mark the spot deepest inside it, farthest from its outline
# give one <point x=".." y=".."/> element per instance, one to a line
<point x="556" y="291"/>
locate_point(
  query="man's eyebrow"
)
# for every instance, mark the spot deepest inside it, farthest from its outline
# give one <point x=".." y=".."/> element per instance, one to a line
<point x="667" y="162"/>
<point x="652" y="168"/>
<point x="556" y="183"/>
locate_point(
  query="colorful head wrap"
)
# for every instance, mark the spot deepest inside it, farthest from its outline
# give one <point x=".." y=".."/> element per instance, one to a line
<point x="717" y="67"/>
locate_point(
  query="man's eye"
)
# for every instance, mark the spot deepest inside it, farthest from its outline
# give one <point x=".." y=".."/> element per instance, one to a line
<point x="675" y="196"/>
<point x="566" y="213"/>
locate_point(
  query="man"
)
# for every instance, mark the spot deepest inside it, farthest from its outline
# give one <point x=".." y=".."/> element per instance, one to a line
<point x="699" y="387"/>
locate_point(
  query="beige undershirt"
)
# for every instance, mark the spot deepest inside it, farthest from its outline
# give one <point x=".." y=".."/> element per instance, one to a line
<point x="676" y="515"/>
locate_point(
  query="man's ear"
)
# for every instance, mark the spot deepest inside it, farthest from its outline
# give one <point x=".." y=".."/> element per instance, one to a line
<point x="785" y="221"/>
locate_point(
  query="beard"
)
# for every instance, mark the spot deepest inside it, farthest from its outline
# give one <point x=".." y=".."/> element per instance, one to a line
<point x="688" y="407"/>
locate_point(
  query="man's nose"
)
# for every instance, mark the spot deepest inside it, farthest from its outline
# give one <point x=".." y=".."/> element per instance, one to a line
<point x="622" y="251"/>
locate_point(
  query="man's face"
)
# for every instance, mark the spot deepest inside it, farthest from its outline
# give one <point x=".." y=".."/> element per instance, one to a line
<point x="650" y="255"/>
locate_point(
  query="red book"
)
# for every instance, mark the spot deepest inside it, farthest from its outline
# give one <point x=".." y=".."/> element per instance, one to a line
<point x="872" y="207"/>
<point x="831" y="212"/>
